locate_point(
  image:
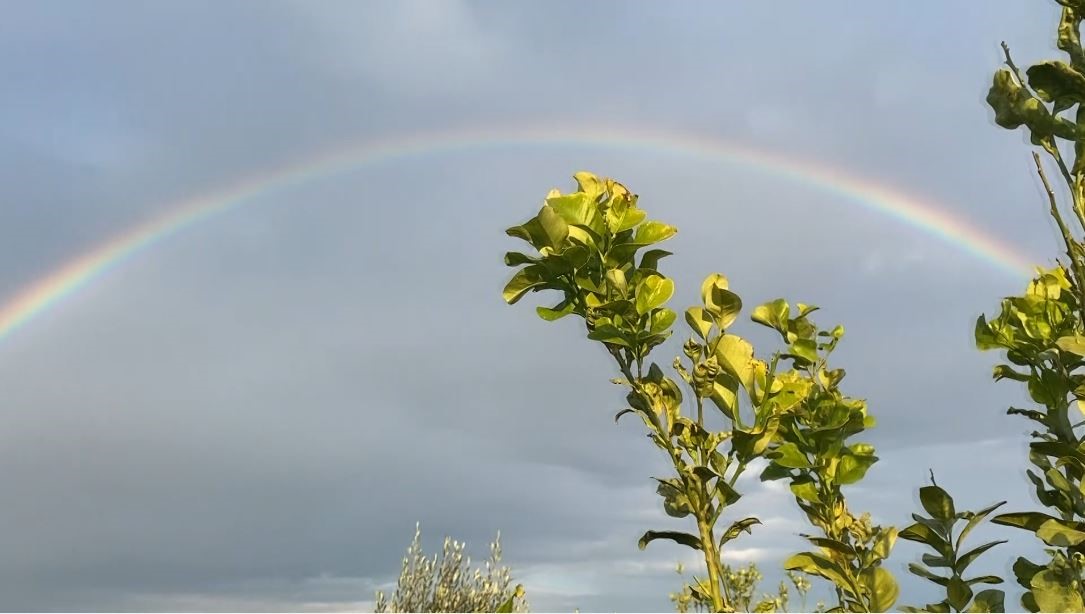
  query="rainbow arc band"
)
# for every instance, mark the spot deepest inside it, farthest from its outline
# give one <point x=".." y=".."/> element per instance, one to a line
<point x="53" y="288"/>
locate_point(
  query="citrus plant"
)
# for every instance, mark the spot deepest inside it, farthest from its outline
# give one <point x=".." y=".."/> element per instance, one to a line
<point x="1042" y="332"/>
<point x="595" y="248"/>
<point x="937" y="532"/>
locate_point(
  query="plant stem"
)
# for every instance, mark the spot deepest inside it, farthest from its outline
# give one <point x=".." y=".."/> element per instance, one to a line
<point x="712" y="560"/>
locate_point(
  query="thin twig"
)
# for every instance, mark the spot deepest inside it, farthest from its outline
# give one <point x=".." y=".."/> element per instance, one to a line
<point x="1053" y="201"/>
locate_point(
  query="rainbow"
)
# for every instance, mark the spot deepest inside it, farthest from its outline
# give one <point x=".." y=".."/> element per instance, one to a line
<point x="63" y="282"/>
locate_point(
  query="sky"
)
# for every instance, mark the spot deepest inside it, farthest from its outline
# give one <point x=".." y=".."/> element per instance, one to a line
<point x="252" y="413"/>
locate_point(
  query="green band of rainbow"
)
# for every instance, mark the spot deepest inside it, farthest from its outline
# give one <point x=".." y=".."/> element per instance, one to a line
<point x="39" y="296"/>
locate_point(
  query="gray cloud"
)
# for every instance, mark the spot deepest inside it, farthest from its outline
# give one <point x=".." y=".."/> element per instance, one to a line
<point x="252" y="414"/>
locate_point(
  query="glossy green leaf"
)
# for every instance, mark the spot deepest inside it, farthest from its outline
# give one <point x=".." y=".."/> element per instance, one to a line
<point x="653" y="232"/>
<point x="650" y="259"/>
<point x="882" y="587"/>
<point x="923" y="572"/>
<point x="517" y="258"/>
<point x="853" y="468"/>
<point x="616" y="279"/>
<point x="788" y="455"/>
<point x="818" y="565"/>
<point x="990" y="600"/>
<point x="1024" y="570"/>
<point x="1074" y="344"/>
<point x="958" y="593"/>
<point x="700" y="321"/>
<point x="974" y="519"/>
<point x="653" y="292"/>
<point x="1056" y="533"/>
<point x="719" y="301"/>
<point x="555" y="228"/>
<point x="1030" y="521"/>
<point x="735" y="356"/>
<point x="966" y="559"/>
<point x="805" y="490"/>
<point x="1054" y="594"/>
<point x="726" y="494"/>
<point x="1058" y="83"/>
<point x="525" y="280"/>
<point x="937" y="502"/>
<point x="556" y="312"/>
<point x="661" y="320"/>
<point x="773" y="314"/>
<point x="924" y="534"/>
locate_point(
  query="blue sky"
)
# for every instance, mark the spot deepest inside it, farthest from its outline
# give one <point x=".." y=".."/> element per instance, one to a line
<point x="254" y="413"/>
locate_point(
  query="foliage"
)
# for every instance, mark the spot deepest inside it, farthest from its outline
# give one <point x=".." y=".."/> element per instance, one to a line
<point x="937" y="533"/>
<point x="450" y="586"/>
<point x="1043" y="331"/>
<point x="587" y="245"/>
<point x="741" y="584"/>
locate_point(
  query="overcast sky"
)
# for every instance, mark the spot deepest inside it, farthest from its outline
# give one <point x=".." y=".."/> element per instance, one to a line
<point x="252" y="414"/>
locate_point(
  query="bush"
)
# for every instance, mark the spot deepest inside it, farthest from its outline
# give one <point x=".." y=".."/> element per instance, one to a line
<point x="426" y="585"/>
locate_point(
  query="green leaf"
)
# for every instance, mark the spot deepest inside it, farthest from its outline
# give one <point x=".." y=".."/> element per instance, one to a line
<point x="506" y="607"/>
<point x="700" y="321"/>
<point x="924" y="534"/>
<point x="852" y="468"/>
<point x="723" y="304"/>
<point x="966" y="559"/>
<point x="525" y="280"/>
<point x="937" y="502"/>
<point x="788" y="455"/>
<point x="676" y="536"/>
<point x="807" y="349"/>
<point x="985" y="580"/>
<point x="653" y="232"/>
<point x="735" y="355"/>
<point x="974" y="519"/>
<point x="1054" y="594"/>
<point x="516" y="259"/>
<point x="675" y="502"/>
<point x="817" y="565"/>
<point x="1055" y="533"/>
<point x="1073" y="344"/>
<point x="805" y="489"/>
<point x="579" y="209"/>
<point x="555" y="228"/>
<point x="882" y="587"/>
<point x="832" y="544"/>
<point x="1057" y="82"/>
<point x="617" y="280"/>
<point x="661" y="320"/>
<point x="931" y="560"/>
<point x="556" y="312"/>
<point x="726" y="494"/>
<point x="990" y="600"/>
<point x="650" y="259"/>
<point x="1025" y="570"/>
<point x="652" y="292"/>
<point x="923" y="572"/>
<point x="773" y="314"/>
<point x="958" y="592"/>
<point x="775" y="472"/>
<point x="737" y="527"/>
<point x="1029" y="521"/>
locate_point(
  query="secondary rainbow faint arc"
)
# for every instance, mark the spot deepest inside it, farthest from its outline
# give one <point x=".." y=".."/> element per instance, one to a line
<point x="40" y="295"/>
